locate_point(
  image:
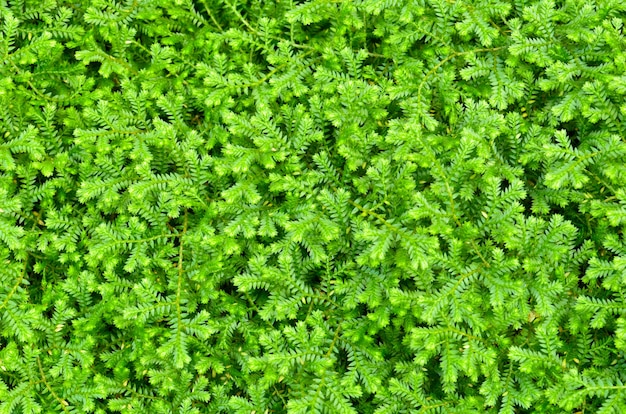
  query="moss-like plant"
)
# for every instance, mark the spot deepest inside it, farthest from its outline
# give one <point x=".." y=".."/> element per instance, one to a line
<point x="347" y="206"/>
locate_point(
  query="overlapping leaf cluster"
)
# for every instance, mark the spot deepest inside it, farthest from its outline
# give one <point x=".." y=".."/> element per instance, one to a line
<point x="357" y="206"/>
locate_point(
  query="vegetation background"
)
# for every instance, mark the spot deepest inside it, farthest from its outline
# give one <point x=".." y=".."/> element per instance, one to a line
<point x="323" y="206"/>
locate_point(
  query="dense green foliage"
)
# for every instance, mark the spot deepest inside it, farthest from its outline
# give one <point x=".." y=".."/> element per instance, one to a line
<point x="322" y="206"/>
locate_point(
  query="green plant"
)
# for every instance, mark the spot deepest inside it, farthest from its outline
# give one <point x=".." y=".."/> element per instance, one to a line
<point x="356" y="206"/>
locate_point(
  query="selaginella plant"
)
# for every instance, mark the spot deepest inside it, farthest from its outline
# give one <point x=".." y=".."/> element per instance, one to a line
<point x="352" y="206"/>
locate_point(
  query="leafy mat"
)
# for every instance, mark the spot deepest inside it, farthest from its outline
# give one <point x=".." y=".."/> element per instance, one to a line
<point x="324" y="206"/>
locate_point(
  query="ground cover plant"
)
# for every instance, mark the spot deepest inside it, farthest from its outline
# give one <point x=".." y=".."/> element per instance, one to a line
<point x="346" y="206"/>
